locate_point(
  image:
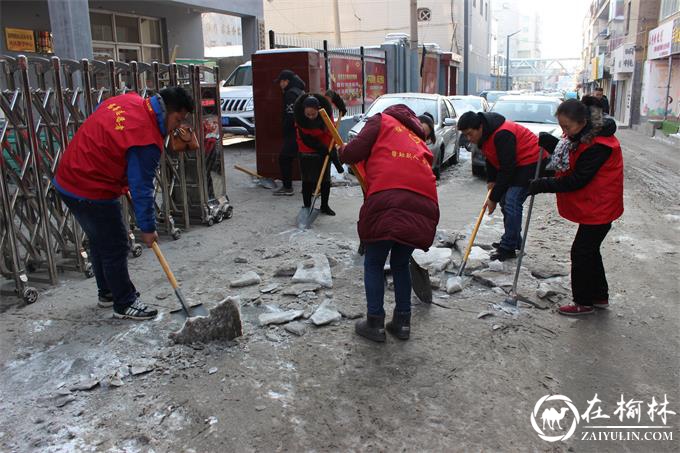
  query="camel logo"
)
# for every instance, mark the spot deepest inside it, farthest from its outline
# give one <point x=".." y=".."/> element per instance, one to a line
<point x="553" y="418"/>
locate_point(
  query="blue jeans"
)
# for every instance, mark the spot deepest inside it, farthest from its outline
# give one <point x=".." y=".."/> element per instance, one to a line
<point x="511" y="207"/>
<point x="107" y="235"/>
<point x="374" y="264"/>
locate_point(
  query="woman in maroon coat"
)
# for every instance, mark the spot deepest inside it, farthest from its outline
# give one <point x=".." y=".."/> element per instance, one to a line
<point x="400" y="212"/>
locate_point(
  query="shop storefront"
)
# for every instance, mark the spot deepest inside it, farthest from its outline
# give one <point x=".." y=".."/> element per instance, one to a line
<point x="623" y="68"/>
<point x="661" y="85"/>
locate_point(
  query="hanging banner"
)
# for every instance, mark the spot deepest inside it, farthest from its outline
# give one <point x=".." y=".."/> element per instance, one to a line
<point x="659" y="42"/>
<point x="675" y="40"/>
<point x="376" y="76"/>
<point x="19" y="40"/>
<point x="346" y="79"/>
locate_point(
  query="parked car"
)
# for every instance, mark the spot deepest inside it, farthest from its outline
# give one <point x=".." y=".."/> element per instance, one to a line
<point x="536" y="113"/>
<point x="445" y="148"/>
<point x="236" y="100"/>
<point x="464" y="104"/>
<point x="492" y="96"/>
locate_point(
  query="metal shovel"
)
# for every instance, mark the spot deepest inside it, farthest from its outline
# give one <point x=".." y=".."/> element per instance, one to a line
<point x="511" y="301"/>
<point x="267" y="183"/>
<point x="188" y="312"/>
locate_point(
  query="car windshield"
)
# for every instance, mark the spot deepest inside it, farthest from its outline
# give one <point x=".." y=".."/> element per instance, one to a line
<point x="243" y="75"/>
<point x="492" y="97"/>
<point x="527" y="111"/>
<point x="418" y="105"/>
<point x="467" y="105"/>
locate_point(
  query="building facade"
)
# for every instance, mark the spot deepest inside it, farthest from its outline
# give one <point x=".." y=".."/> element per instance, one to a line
<point x="354" y="24"/>
<point x="122" y="30"/>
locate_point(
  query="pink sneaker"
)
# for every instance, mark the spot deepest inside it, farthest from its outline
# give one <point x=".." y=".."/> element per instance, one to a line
<point x="575" y="310"/>
<point x="604" y="304"/>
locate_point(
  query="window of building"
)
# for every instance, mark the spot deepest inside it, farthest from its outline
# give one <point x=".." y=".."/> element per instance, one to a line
<point x="668" y="8"/>
<point x="126" y="37"/>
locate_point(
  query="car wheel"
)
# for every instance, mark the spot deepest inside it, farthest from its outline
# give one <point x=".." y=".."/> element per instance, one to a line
<point x="478" y="170"/>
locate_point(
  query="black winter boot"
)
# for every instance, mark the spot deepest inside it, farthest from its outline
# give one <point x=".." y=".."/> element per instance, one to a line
<point x="373" y="328"/>
<point x="400" y="326"/>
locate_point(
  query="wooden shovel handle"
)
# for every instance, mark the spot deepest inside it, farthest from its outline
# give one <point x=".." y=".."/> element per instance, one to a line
<point x="246" y="171"/>
<point x="164" y="265"/>
<point x="336" y="137"/>
<point x="474" y="231"/>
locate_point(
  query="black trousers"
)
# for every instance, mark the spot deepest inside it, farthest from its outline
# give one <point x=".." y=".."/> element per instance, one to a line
<point x="588" y="279"/>
<point x="310" y="168"/>
<point x="286" y="166"/>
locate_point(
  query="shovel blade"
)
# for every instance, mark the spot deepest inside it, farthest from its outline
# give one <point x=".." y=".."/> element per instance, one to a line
<point x="306" y="217"/>
<point x="267" y="183"/>
<point x="420" y="281"/>
<point x="197" y="309"/>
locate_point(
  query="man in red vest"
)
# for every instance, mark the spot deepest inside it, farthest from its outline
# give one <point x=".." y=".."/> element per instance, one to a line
<point x="511" y="153"/>
<point x="118" y="147"/>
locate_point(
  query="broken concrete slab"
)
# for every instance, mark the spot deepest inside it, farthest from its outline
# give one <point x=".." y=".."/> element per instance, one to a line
<point x="300" y="288"/>
<point x="142" y="366"/>
<point x="435" y="282"/>
<point x="86" y="384"/>
<point x="454" y="284"/>
<point x="498" y="266"/>
<point x="436" y="258"/>
<point x="279" y="317"/>
<point x="546" y="290"/>
<point x="248" y="279"/>
<point x="326" y="314"/>
<point x="270" y="289"/>
<point x="544" y="268"/>
<point x="296" y="328"/>
<point x="484" y="314"/>
<point x="286" y="269"/>
<point x="316" y="269"/>
<point x="351" y="313"/>
<point x="240" y="260"/>
<point x="502" y="279"/>
<point x="444" y="238"/>
<point x="222" y="323"/>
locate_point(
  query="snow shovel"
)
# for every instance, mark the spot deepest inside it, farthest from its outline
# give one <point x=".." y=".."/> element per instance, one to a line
<point x="196" y="310"/>
<point x="261" y="180"/>
<point x="511" y="301"/>
<point x="473" y="236"/>
<point x="420" y="277"/>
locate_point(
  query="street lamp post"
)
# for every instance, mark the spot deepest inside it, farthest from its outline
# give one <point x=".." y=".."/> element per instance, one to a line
<point x="507" y="59"/>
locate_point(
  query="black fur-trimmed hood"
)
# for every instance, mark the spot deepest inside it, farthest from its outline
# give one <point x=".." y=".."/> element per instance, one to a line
<point x="299" y="111"/>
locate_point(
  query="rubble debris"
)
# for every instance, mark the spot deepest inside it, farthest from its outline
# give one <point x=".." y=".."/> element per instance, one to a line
<point x="212" y="370"/>
<point x="63" y="400"/>
<point x="222" y="323"/>
<point x="86" y="384"/>
<point x="270" y="289"/>
<point x="497" y="266"/>
<point x="316" y="269"/>
<point x="435" y="282"/>
<point x="286" y="269"/>
<point x="300" y="288"/>
<point x="273" y="337"/>
<point x="142" y="366"/>
<point x="436" y="258"/>
<point x="478" y="258"/>
<point x="351" y="313"/>
<point x="326" y="314"/>
<point x="497" y="326"/>
<point x="274" y="253"/>
<point x="241" y="260"/>
<point x="484" y="314"/>
<point x="454" y="284"/>
<point x="248" y="279"/>
<point x="296" y="328"/>
<point x="444" y="238"/>
<point x="279" y="317"/>
<point x="163" y="295"/>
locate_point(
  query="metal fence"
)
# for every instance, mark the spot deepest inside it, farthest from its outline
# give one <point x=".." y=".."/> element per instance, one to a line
<point x="43" y="102"/>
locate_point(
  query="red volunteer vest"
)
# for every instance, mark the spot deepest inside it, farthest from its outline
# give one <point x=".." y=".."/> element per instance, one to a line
<point x="527" y="145"/>
<point x="323" y="135"/>
<point x="399" y="160"/>
<point x="601" y="200"/>
<point x="94" y="164"/>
